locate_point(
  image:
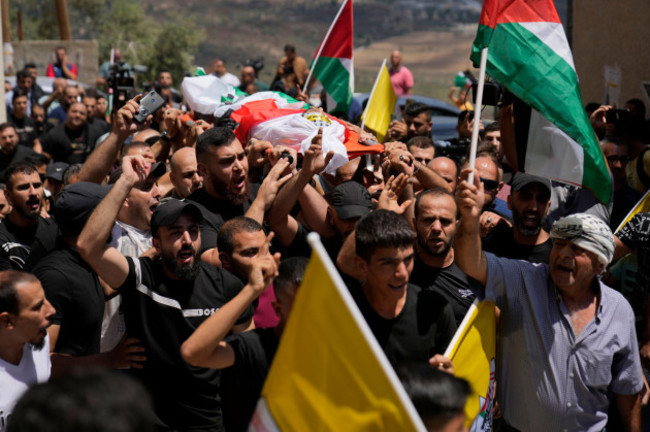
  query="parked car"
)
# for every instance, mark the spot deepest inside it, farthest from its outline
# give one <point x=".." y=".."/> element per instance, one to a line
<point x="445" y="116"/>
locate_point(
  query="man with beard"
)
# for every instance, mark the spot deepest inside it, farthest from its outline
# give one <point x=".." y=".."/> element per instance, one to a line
<point x="529" y="200"/>
<point x="10" y="151"/>
<point x="72" y="140"/>
<point x="24" y="344"/>
<point x="436" y="219"/>
<point x="165" y="299"/>
<point x="226" y="192"/>
<point x="25" y="236"/>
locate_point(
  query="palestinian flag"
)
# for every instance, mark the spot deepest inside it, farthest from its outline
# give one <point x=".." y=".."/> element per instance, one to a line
<point x="530" y="56"/>
<point x="333" y="65"/>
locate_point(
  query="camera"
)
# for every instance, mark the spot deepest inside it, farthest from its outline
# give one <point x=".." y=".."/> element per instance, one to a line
<point x="121" y="83"/>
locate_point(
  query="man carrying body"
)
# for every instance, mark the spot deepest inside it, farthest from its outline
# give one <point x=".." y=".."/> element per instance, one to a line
<point x="220" y="71"/>
<point x="24" y="344"/>
<point x="566" y="341"/>
<point x="165" y="299"/>
<point x="417" y="122"/>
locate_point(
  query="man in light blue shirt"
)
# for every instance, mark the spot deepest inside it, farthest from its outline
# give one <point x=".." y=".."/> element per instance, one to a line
<point x="566" y="342"/>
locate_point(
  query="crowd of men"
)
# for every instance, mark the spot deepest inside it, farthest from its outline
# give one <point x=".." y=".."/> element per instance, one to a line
<point x="170" y="252"/>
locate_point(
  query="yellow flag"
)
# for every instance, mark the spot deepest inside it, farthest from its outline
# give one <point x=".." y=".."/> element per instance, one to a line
<point x="329" y="373"/>
<point x="381" y="104"/>
<point x="472" y="354"/>
<point x="643" y="206"/>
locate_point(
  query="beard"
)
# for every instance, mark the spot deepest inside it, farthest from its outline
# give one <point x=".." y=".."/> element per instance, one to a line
<point x="186" y="272"/>
<point x="232" y="197"/>
<point x="28" y="213"/>
<point x="441" y="251"/>
<point x="518" y="221"/>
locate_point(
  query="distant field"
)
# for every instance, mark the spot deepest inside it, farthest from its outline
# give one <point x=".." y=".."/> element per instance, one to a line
<point x="434" y="58"/>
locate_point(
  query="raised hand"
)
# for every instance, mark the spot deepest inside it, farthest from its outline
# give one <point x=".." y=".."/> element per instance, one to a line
<point x="388" y="199"/>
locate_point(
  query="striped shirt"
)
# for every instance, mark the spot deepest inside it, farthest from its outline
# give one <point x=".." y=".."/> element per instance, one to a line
<point x="549" y="377"/>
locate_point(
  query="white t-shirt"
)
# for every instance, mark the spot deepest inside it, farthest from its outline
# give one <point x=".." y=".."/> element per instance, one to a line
<point x="33" y="368"/>
<point x="132" y="242"/>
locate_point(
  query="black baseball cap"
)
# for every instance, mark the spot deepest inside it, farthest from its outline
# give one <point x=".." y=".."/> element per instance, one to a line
<point x="74" y="205"/>
<point x="350" y="200"/>
<point x="55" y="171"/>
<point x="521" y="179"/>
<point x="157" y="170"/>
<point x="170" y="209"/>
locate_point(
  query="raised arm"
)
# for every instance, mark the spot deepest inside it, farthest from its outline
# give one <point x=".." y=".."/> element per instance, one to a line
<point x="99" y="162"/>
<point x="315" y="206"/>
<point x="107" y="262"/>
<point x="268" y="191"/>
<point x="206" y="347"/>
<point x="467" y="245"/>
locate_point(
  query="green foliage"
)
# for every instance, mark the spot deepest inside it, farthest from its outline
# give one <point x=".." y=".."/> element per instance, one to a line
<point x="174" y="48"/>
<point x="168" y="43"/>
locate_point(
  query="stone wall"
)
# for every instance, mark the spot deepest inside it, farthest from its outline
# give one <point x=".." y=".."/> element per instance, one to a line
<point x="81" y="52"/>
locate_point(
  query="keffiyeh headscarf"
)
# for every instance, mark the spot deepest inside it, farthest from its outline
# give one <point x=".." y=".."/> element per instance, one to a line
<point x="588" y="232"/>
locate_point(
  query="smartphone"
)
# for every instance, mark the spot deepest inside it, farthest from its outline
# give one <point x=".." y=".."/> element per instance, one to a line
<point x="617" y="116"/>
<point x="149" y="104"/>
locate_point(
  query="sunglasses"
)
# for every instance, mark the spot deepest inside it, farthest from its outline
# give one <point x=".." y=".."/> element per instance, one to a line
<point x="489" y="185"/>
<point x="621" y="159"/>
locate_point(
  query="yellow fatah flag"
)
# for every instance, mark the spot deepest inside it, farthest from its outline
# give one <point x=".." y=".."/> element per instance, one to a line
<point x="381" y="104"/>
<point x="643" y="206"/>
<point x="472" y="353"/>
<point x="329" y="373"/>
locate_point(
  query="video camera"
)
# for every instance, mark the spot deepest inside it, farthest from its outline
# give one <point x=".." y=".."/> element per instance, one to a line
<point x="121" y="83"/>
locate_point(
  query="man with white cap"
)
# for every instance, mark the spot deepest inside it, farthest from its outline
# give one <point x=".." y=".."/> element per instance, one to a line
<point x="567" y="342"/>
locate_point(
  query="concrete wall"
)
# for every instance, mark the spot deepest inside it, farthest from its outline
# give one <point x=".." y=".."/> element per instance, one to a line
<point x="81" y="52"/>
<point x="613" y="33"/>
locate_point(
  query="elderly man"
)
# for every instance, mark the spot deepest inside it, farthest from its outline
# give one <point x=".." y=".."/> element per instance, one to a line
<point x="567" y="343"/>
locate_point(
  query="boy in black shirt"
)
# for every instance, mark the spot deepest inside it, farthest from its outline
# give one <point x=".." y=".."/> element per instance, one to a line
<point x="245" y="358"/>
<point x="411" y="325"/>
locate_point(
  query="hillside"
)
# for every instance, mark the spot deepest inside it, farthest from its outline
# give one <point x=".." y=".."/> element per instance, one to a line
<point x="425" y="30"/>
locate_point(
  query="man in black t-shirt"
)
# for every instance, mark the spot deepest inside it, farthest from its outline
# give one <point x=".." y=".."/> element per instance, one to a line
<point x="436" y="219"/>
<point x="410" y="324"/>
<point x="75" y="291"/>
<point x="10" y="151"/>
<point x="25" y="236"/>
<point x="529" y="200"/>
<point x="23" y="123"/>
<point x="245" y="358"/>
<point x="227" y="192"/>
<point x="165" y="300"/>
<point x="73" y="140"/>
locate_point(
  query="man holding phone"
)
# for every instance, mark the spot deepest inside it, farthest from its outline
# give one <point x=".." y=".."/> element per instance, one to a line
<point x="61" y="68"/>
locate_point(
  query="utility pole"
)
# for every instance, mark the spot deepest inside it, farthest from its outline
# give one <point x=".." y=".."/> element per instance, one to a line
<point x="4" y="23"/>
<point x="63" y="19"/>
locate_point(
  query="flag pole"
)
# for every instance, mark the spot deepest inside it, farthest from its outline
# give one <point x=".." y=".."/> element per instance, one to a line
<point x="372" y="93"/>
<point x="477" y="113"/>
<point x="461" y="328"/>
<point x="320" y="48"/>
<point x="314" y="241"/>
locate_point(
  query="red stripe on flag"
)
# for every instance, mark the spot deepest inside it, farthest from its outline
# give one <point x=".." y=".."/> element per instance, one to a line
<point x="339" y="43"/>
<point x="513" y="11"/>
